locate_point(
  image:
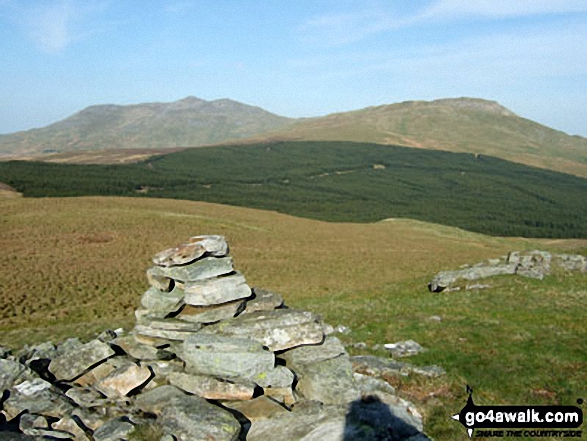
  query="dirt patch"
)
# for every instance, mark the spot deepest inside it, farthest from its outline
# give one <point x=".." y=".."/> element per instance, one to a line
<point x="6" y="191"/>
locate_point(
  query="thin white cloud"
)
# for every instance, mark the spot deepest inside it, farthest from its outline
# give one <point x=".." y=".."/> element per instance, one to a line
<point x="340" y="29"/>
<point x="54" y="25"/>
<point x="457" y="9"/>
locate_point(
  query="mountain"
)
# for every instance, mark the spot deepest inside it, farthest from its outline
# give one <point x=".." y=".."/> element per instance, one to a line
<point x="187" y="122"/>
<point x="469" y="125"/>
<point x="459" y="125"/>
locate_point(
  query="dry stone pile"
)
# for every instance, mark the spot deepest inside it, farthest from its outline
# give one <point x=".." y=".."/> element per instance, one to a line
<point x="208" y="359"/>
<point x="532" y="264"/>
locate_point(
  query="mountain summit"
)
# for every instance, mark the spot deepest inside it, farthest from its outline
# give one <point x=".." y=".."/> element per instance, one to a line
<point x="189" y="122"/>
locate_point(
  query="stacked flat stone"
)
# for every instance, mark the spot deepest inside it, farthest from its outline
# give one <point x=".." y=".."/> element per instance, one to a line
<point x="209" y="358"/>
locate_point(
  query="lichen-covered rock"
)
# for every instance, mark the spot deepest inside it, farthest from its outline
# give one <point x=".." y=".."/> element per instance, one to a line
<point x="263" y="300"/>
<point x="303" y="355"/>
<point x="114" y="430"/>
<point x="212" y="388"/>
<point x="12" y="372"/>
<point x="225" y="356"/>
<point x="74" y="363"/>
<point x="405" y="348"/>
<point x="188" y="417"/>
<point x="329" y="381"/>
<point x="211" y="314"/>
<point x="193" y="249"/>
<point x="533" y="264"/>
<point x="215" y="291"/>
<point x="444" y="279"/>
<point x="280" y="378"/>
<point x="199" y="270"/>
<point x="278" y="329"/>
<point x="140" y="351"/>
<point x="85" y="396"/>
<point x="170" y="329"/>
<point x="383" y="367"/>
<point x="38" y="397"/>
<point x="161" y="301"/>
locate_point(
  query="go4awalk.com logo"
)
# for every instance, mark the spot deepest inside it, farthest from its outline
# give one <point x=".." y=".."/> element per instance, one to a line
<point x="520" y="421"/>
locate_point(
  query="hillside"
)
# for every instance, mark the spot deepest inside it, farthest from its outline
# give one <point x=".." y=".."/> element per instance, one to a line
<point x="458" y="125"/>
<point x="337" y="182"/>
<point x="89" y="256"/>
<point x="467" y="125"/>
<point x="188" y="122"/>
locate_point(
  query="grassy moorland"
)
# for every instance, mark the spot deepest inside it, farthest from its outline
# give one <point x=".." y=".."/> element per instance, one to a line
<point x="74" y="266"/>
<point x="338" y="182"/>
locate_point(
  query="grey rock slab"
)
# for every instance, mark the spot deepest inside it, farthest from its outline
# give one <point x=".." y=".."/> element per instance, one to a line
<point x="32" y="387"/>
<point x="278" y="329"/>
<point x="280" y="377"/>
<point x="37" y="398"/>
<point x="256" y="409"/>
<point x="212" y="388"/>
<point x="86" y="397"/>
<point x="123" y="380"/>
<point x="225" y="356"/>
<point x="162" y="283"/>
<point x="369" y="385"/>
<point x="162" y="368"/>
<point x="571" y="262"/>
<point x="405" y="348"/>
<point x="164" y="302"/>
<point x="114" y="430"/>
<point x="97" y="373"/>
<point x="330" y="381"/>
<point x="444" y="279"/>
<point x="211" y="314"/>
<point x="217" y="290"/>
<point x="205" y="268"/>
<point x="12" y="372"/>
<point x="30" y="423"/>
<point x="194" y="248"/>
<point x="283" y="395"/>
<point x="38" y="352"/>
<point x="188" y="417"/>
<point x="303" y="355"/>
<point x="170" y="329"/>
<point x="140" y="351"/>
<point x="69" y="345"/>
<point x="72" y="364"/>
<point x="381" y="367"/>
<point x="263" y="300"/>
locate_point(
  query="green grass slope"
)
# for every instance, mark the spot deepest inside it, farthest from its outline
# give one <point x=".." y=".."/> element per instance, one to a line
<point x="188" y="122"/>
<point x="75" y="266"/>
<point x="459" y="125"/>
<point x="340" y="182"/>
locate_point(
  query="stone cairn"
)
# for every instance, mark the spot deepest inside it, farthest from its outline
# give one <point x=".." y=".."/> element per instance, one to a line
<point x="208" y="359"/>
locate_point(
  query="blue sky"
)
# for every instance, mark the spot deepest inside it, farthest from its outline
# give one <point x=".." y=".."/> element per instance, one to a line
<point x="293" y="57"/>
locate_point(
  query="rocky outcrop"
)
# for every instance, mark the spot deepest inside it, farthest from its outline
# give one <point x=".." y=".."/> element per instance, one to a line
<point x="533" y="264"/>
<point x="209" y="358"/>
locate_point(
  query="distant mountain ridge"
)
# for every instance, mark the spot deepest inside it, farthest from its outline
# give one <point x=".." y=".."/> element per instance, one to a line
<point x="188" y="122"/>
<point x="470" y="125"/>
